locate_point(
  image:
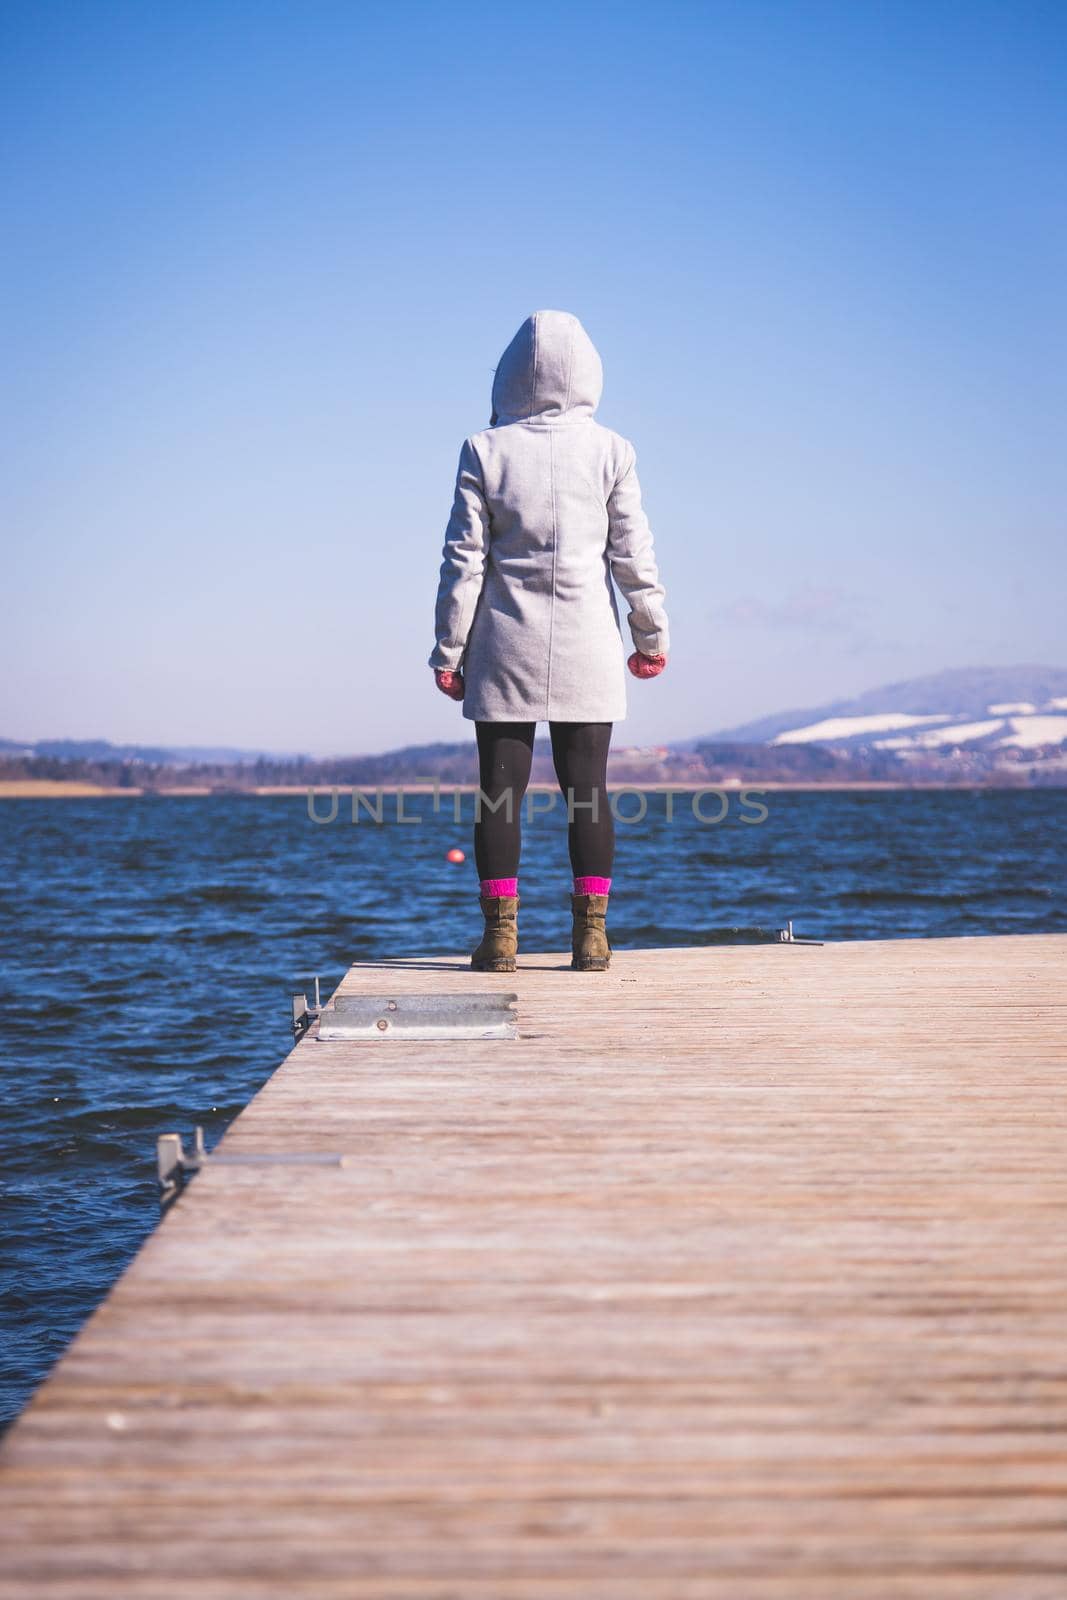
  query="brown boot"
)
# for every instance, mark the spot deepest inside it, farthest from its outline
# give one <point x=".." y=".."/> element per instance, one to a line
<point x="590" y="951"/>
<point x="500" y="942"/>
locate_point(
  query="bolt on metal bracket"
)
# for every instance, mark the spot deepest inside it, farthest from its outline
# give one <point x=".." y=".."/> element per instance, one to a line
<point x="425" y="1016"/>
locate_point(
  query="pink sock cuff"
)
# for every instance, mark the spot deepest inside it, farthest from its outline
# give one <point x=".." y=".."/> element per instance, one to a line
<point x="492" y="887"/>
<point x="592" y="885"/>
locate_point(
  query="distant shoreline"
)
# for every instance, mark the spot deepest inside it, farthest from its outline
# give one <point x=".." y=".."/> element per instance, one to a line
<point x="55" y="789"/>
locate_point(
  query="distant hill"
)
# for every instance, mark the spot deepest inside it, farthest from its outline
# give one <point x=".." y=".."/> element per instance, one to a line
<point x="982" y="725"/>
<point x="1020" y="707"/>
<point x="103" y="751"/>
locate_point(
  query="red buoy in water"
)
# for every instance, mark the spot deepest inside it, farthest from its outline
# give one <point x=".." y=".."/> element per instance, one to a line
<point x="455" y="855"/>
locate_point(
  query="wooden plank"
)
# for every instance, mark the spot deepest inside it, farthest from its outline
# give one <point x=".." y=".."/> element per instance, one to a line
<point x="740" y="1273"/>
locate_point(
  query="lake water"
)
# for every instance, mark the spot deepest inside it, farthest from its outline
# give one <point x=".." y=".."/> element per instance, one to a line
<point x="150" y="947"/>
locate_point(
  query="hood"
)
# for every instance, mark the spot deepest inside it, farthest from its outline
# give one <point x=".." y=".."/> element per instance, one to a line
<point x="549" y="370"/>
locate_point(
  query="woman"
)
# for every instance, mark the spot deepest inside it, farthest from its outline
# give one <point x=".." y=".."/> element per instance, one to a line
<point x="547" y="511"/>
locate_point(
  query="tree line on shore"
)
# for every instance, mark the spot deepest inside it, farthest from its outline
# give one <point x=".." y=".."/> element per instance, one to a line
<point x="450" y="764"/>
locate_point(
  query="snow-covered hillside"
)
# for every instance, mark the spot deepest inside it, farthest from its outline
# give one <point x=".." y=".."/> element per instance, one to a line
<point x="1031" y="730"/>
<point x="998" y="712"/>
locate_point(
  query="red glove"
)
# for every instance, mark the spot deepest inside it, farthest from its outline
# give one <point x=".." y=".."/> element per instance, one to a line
<point x="450" y="683"/>
<point x="643" y="666"/>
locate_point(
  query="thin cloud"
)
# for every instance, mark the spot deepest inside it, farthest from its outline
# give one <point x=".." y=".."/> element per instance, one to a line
<point x="818" y="613"/>
<point x="808" y="609"/>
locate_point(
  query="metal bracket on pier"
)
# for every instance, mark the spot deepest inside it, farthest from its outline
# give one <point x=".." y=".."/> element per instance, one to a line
<point x="304" y="1013"/>
<point x="175" y="1165"/>
<point x="787" y="936"/>
<point x="420" y="1016"/>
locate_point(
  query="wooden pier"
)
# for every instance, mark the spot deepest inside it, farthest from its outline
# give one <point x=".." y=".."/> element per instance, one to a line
<point x="740" y="1274"/>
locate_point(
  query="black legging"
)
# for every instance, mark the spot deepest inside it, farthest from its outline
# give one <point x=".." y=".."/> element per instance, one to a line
<point x="580" y="757"/>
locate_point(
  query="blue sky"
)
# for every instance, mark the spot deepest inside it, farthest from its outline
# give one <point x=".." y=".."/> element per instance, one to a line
<point x="260" y="260"/>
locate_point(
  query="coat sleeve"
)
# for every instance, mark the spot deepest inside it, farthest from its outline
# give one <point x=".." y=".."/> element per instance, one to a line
<point x="463" y="563"/>
<point x="633" y="563"/>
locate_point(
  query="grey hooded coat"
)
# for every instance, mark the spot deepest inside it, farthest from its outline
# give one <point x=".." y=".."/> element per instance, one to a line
<point x="547" y="511"/>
